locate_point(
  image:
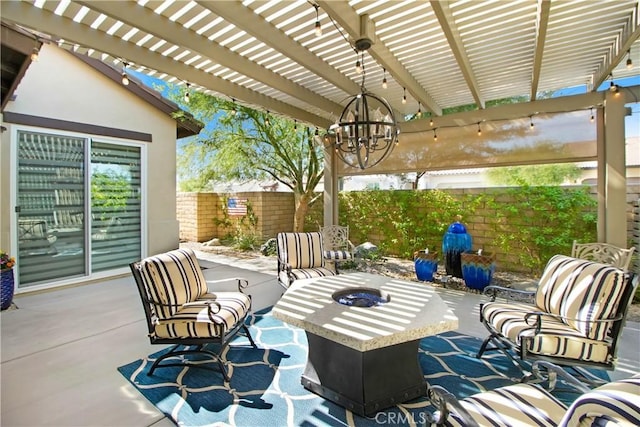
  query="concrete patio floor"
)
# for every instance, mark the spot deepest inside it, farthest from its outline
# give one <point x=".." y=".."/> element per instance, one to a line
<point x="60" y="350"/>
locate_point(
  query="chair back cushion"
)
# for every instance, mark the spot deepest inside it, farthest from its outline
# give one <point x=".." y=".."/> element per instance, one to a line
<point x="301" y="250"/>
<point x="581" y="291"/>
<point x="612" y="404"/>
<point x="172" y="278"/>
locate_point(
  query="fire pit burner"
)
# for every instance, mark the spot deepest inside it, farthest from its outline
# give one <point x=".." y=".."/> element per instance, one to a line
<point x="360" y="297"/>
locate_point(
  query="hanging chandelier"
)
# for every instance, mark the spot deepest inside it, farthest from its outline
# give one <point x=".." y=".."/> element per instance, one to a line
<point x="366" y="131"/>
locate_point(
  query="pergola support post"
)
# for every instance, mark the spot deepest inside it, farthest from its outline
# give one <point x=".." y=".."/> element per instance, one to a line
<point x="330" y="187"/>
<point x="612" y="181"/>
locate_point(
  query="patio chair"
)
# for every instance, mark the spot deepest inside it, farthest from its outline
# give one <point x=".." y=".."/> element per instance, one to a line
<point x="337" y="246"/>
<point x="574" y="318"/>
<point x="614" y="403"/>
<point x="301" y="256"/>
<point x="180" y="310"/>
<point x="603" y="253"/>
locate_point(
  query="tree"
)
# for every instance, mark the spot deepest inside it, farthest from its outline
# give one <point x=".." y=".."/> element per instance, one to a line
<point x="534" y="175"/>
<point x="241" y="143"/>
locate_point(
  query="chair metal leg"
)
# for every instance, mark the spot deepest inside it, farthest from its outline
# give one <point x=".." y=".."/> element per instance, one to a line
<point x="198" y="350"/>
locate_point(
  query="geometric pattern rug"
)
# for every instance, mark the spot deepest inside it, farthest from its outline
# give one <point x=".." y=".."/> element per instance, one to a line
<point x="265" y="384"/>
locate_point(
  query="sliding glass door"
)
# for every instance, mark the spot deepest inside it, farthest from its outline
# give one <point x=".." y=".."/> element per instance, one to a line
<point x="115" y="205"/>
<point x="71" y="223"/>
<point x="50" y="208"/>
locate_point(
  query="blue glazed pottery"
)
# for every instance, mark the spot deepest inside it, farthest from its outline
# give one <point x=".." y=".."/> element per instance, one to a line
<point x="456" y="240"/>
<point x="477" y="270"/>
<point x="426" y="264"/>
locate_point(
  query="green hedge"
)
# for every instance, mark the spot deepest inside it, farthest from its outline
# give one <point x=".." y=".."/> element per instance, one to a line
<point x="524" y="226"/>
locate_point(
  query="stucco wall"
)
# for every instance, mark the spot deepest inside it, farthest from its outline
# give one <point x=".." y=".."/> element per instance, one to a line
<point x="59" y="86"/>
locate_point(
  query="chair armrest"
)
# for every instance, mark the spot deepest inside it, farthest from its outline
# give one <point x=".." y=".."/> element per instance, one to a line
<point x="242" y="283"/>
<point x="208" y="304"/>
<point x="537" y="316"/>
<point x="511" y="294"/>
<point x="443" y="400"/>
<point x="555" y="371"/>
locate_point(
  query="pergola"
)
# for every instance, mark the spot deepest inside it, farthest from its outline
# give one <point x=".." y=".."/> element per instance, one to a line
<point x="435" y="54"/>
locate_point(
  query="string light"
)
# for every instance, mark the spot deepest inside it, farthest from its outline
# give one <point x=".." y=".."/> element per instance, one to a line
<point x="435" y="135"/>
<point x="318" y="27"/>
<point x="591" y="119"/>
<point x="125" y="78"/>
<point x="358" y="67"/>
<point x="629" y="61"/>
<point x="295" y="125"/>
<point x="266" y="121"/>
<point x="317" y="132"/>
<point x="384" y="78"/>
<point x="531" y="125"/>
<point x="613" y="87"/>
<point x="419" y="114"/>
<point x="35" y="53"/>
<point x="431" y="121"/>
<point x="187" y="94"/>
<point x="479" y="130"/>
<point x="404" y="95"/>
<point x="233" y="107"/>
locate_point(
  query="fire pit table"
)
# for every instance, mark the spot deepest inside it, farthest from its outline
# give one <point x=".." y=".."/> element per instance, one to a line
<point x="363" y="332"/>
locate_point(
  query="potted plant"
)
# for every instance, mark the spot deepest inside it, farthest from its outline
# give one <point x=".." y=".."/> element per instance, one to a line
<point x="426" y="264"/>
<point x="6" y="279"/>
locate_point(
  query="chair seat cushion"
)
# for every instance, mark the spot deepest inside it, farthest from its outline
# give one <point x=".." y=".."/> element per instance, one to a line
<point x="194" y="320"/>
<point x="555" y="338"/>
<point x="338" y="255"/>
<point x="515" y="405"/>
<point x="309" y="273"/>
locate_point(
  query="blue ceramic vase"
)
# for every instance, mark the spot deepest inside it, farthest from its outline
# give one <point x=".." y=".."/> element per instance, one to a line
<point x="426" y="264"/>
<point x="456" y="240"/>
<point x="6" y="288"/>
<point x="477" y="270"/>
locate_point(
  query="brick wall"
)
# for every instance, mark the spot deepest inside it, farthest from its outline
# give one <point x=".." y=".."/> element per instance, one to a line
<point x="275" y="210"/>
<point x="197" y="214"/>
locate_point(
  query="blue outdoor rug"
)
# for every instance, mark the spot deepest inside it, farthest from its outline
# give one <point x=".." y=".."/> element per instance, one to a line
<point x="265" y="384"/>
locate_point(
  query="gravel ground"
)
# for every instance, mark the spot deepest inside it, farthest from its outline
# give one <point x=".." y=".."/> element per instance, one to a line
<point x="404" y="269"/>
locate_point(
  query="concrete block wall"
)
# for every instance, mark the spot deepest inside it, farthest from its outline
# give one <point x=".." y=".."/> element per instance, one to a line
<point x="196" y="213"/>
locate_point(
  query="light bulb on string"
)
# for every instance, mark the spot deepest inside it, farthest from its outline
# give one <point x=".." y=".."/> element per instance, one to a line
<point x="295" y="125"/>
<point x="431" y="121"/>
<point x="266" y="120"/>
<point x="35" y="53"/>
<point x="404" y="95"/>
<point x="479" y="130"/>
<point x="435" y="135"/>
<point x="384" y="78"/>
<point x="317" y="27"/>
<point x="233" y="107"/>
<point x="591" y="119"/>
<point x="187" y="94"/>
<point x="531" y="125"/>
<point x="629" y="61"/>
<point x="125" y="78"/>
<point x="419" y="113"/>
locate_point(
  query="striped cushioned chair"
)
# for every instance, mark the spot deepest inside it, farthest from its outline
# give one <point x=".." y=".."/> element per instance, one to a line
<point x="337" y="246"/>
<point x="301" y="256"/>
<point x="575" y="317"/>
<point x="612" y="404"/>
<point x="180" y="310"/>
